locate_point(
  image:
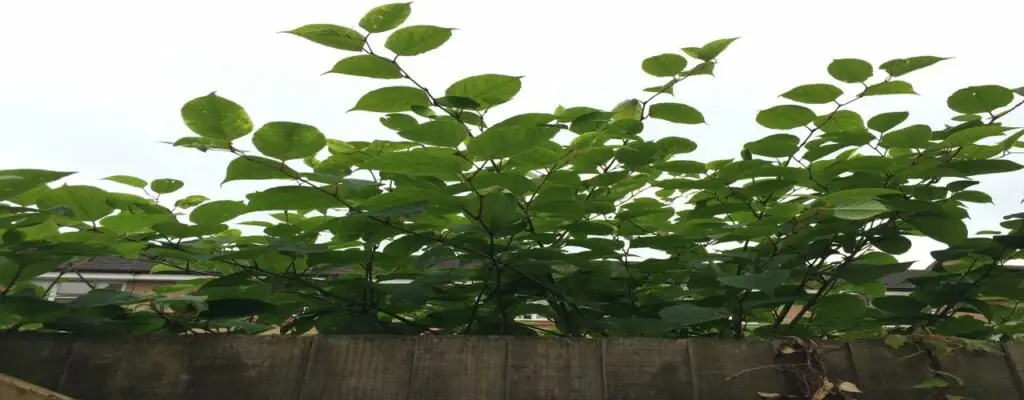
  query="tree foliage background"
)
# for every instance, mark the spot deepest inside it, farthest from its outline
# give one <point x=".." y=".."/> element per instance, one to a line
<point x="570" y="213"/>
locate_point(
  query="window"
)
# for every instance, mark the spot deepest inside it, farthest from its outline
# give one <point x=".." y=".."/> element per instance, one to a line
<point x="64" y="292"/>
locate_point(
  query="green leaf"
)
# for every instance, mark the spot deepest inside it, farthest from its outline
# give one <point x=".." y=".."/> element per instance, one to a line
<point x="979" y="99"/>
<point x="850" y="70"/>
<point x="903" y="66"/>
<point x="712" y="49"/>
<point x="399" y="122"/>
<point x="859" y="209"/>
<point x="131" y="223"/>
<point x="664" y="65"/>
<point x="688" y="314"/>
<point x="216" y="212"/>
<point x="681" y="167"/>
<point x="857" y="194"/>
<point x="840" y="121"/>
<point x="87" y="203"/>
<point x="215" y="117"/>
<point x="676" y="112"/>
<point x="392" y="99"/>
<point x="820" y="93"/>
<point x="885" y="121"/>
<point x="508" y="141"/>
<point x="676" y="145"/>
<point x="892" y="244"/>
<point x="367" y="65"/>
<point x="944" y="228"/>
<point x="911" y="137"/>
<point x="292" y="198"/>
<point x="125" y="180"/>
<point x="777" y="145"/>
<point x="970" y="136"/>
<point x="419" y="162"/>
<point x="202" y="144"/>
<point x="488" y="90"/>
<point x="839" y="309"/>
<point x="972" y="196"/>
<point x="14" y="182"/>
<point x="106" y="297"/>
<point x="417" y="39"/>
<point x="338" y="37"/>
<point x="890" y="87"/>
<point x="166" y="185"/>
<point x="190" y="201"/>
<point x="385" y="17"/>
<point x="258" y="168"/>
<point x="765" y="282"/>
<point x="859" y="274"/>
<point x="982" y="167"/>
<point x="288" y="140"/>
<point x="785" y="117"/>
<point x="447" y="133"/>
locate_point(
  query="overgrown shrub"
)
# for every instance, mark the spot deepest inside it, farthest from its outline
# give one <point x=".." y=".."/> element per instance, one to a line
<point x="570" y="214"/>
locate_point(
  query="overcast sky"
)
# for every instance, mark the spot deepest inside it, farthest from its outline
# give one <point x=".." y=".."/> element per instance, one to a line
<point x="95" y="86"/>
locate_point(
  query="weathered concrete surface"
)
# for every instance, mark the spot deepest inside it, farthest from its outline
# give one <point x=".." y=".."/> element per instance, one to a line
<point x="232" y="367"/>
<point x="17" y="389"/>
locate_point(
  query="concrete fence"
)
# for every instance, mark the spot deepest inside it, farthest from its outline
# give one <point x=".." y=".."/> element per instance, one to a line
<point x="478" y="368"/>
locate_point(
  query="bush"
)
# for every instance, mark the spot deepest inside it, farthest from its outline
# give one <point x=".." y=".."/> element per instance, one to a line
<point x="571" y="215"/>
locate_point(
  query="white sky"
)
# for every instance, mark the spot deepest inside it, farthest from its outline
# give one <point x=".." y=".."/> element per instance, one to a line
<point x="95" y="86"/>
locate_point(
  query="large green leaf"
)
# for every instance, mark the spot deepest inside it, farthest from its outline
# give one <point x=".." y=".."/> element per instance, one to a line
<point x="885" y="121"/>
<point x="215" y="117"/>
<point x="288" y="140"/>
<point x="765" y="281"/>
<point x="889" y="87"/>
<point x="87" y="203"/>
<point x="258" y="168"/>
<point x="338" y="37"/>
<point x="125" y="180"/>
<point x="859" y="209"/>
<point x="710" y="50"/>
<point x="166" y="185"/>
<point x="385" y="17"/>
<point x="676" y="112"/>
<point x="839" y="309"/>
<point x="399" y="122"/>
<point x="508" y="141"/>
<point x="392" y="99"/>
<point x="688" y="314"/>
<point x="982" y="167"/>
<point x="129" y="223"/>
<point x="911" y="137"/>
<point x="979" y="99"/>
<point x="419" y="162"/>
<point x="446" y="133"/>
<point x="664" y="65"/>
<point x="860" y="274"/>
<point x="785" y="117"/>
<point x="850" y="70"/>
<point x="367" y="65"/>
<point x="944" y="228"/>
<point x="970" y="136"/>
<point x="487" y="90"/>
<point x="820" y="93"/>
<point x="902" y="66"/>
<point x="216" y="212"/>
<point x="14" y="182"/>
<point x="778" y="145"/>
<point x="417" y="39"/>
<point x="292" y="198"/>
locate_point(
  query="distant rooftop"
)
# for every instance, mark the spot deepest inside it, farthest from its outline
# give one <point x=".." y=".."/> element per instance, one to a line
<point x="120" y="265"/>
